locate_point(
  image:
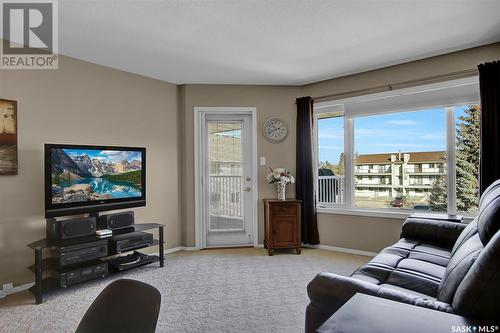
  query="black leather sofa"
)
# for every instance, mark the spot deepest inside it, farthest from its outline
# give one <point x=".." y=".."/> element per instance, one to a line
<point x="442" y="265"/>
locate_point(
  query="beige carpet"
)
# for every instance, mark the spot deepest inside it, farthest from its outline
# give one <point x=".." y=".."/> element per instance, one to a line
<point x="231" y="290"/>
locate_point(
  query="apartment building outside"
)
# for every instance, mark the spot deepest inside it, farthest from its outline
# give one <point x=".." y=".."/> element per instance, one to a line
<point x="392" y="174"/>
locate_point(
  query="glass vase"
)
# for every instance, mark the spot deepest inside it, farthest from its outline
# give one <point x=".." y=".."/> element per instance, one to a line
<point x="281" y="190"/>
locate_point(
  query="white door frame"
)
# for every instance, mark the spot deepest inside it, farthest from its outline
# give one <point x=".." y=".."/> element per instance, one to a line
<point x="199" y="119"/>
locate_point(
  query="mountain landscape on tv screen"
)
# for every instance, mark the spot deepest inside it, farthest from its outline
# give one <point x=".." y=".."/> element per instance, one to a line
<point x="80" y="175"/>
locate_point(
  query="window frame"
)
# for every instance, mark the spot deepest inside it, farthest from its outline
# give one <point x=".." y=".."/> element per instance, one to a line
<point x="348" y="206"/>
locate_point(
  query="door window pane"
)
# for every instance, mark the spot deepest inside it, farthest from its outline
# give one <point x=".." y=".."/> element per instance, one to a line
<point x="400" y="160"/>
<point x="467" y="119"/>
<point x="226" y="171"/>
<point x="331" y="158"/>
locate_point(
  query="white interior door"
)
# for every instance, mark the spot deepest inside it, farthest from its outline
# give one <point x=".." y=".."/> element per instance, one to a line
<point x="227" y="180"/>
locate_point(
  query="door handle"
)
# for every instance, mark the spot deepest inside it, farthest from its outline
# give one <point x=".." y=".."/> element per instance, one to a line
<point x="247" y="189"/>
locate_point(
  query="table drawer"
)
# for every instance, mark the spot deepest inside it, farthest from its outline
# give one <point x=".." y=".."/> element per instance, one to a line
<point x="284" y="210"/>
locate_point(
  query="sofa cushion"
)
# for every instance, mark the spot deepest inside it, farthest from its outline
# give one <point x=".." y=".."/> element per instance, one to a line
<point x="404" y="290"/>
<point x="469" y="231"/>
<point x="409" y="265"/>
<point x="460" y="263"/>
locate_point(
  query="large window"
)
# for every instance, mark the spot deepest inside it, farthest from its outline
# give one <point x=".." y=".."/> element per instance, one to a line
<point x="408" y="151"/>
<point x="399" y="160"/>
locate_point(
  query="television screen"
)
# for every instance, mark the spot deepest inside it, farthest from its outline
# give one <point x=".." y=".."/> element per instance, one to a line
<point x="91" y="175"/>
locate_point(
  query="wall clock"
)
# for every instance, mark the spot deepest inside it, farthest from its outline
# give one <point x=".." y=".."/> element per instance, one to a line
<point x="275" y="130"/>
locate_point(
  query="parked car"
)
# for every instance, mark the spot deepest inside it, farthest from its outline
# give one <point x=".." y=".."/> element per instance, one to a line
<point x="399" y="201"/>
<point x="325" y="172"/>
<point x="422" y="207"/>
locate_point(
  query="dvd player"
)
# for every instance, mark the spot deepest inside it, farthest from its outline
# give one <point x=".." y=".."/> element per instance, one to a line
<point x="129" y="241"/>
<point x="77" y="253"/>
<point x="73" y="276"/>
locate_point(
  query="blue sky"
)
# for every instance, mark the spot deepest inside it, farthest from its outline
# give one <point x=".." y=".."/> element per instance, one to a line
<point x="107" y="155"/>
<point x="423" y="130"/>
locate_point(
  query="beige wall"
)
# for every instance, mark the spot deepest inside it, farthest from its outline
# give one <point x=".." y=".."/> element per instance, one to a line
<point x="82" y="103"/>
<point x="358" y="232"/>
<point x="269" y="101"/>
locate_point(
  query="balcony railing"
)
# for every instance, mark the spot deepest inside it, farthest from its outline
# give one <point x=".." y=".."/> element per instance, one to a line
<point x="419" y="182"/>
<point x="380" y="169"/>
<point x="331" y="189"/>
<point x="225" y="196"/>
<point x="424" y="170"/>
<point x="373" y="182"/>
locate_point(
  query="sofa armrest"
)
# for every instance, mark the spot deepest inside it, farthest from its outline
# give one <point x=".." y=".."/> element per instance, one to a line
<point x="328" y="292"/>
<point x="441" y="232"/>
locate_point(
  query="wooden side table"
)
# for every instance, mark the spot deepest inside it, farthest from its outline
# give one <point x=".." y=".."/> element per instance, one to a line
<point x="282" y="225"/>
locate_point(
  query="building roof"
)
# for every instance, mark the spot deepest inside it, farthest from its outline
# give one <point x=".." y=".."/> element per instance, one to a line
<point x="415" y="157"/>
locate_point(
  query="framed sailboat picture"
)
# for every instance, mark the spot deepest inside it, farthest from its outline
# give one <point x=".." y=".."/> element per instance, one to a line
<point x="8" y="137"/>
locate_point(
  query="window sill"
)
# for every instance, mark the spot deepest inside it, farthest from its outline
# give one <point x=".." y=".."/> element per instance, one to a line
<point x="363" y="212"/>
<point x="376" y="213"/>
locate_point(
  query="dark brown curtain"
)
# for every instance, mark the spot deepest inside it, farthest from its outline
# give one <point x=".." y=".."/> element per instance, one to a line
<point x="489" y="160"/>
<point x="304" y="189"/>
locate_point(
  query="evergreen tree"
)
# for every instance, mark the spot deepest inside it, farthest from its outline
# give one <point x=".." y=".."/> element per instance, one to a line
<point x="338" y="169"/>
<point x="327" y="165"/>
<point x="340" y="166"/>
<point x="467" y="156"/>
<point x="437" y="198"/>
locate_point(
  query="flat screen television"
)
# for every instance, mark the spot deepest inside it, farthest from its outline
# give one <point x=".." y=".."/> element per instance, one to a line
<point x="88" y="179"/>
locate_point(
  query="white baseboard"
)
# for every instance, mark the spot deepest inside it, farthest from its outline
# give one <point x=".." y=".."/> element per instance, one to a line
<point x="334" y="249"/>
<point x="181" y="248"/>
<point x="12" y="290"/>
<point x="174" y="249"/>
<point x="341" y="249"/>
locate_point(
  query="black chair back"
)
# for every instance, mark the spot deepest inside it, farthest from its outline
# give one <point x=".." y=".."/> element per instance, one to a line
<point x="125" y="306"/>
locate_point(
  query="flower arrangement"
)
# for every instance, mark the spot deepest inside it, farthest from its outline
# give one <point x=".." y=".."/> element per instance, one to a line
<point x="281" y="177"/>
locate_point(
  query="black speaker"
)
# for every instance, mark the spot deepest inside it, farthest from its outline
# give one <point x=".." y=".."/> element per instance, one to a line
<point x="72" y="228"/>
<point x="116" y="221"/>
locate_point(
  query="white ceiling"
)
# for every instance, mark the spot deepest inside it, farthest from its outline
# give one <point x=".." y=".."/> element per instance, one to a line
<point x="269" y="41"/>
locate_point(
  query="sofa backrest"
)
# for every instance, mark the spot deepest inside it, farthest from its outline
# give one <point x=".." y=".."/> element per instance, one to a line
<point x="469" y="231"/>
<point x="488" y="219"/>
<point x="478" y="294"/>
<point x="458" y="267"/>
<point x="471" y="282"/>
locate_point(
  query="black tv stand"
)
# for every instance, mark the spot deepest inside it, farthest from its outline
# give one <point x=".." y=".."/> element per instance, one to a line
<point x="94" y="214"/>
<point x="48" y="264"/>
